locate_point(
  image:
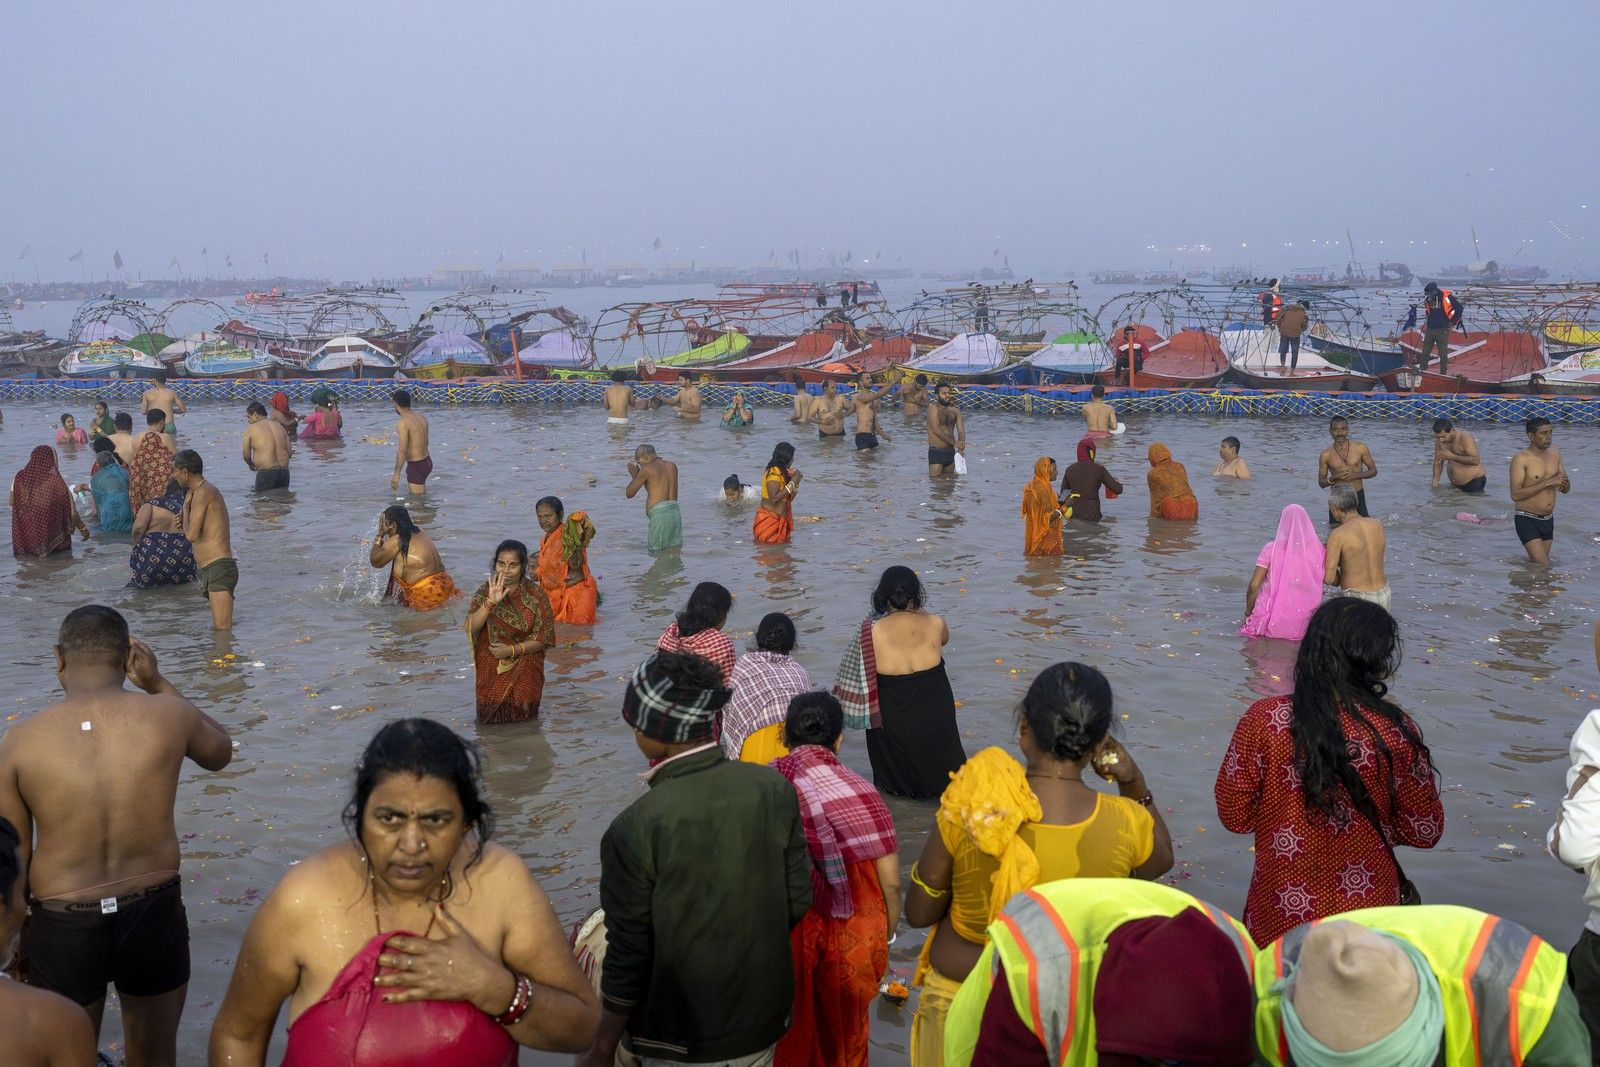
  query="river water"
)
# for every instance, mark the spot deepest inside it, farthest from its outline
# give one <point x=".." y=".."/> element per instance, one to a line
<point x="1498" y="666"/>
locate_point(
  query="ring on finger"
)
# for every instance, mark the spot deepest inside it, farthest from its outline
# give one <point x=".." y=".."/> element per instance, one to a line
<point x="410" y="962"/>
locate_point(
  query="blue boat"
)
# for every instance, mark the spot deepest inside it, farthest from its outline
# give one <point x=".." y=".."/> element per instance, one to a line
<point x="1071" y="359"/>
<point x="224" y="359"/>
<point x="1368" y="355"/>
<point x="971" y="359"/>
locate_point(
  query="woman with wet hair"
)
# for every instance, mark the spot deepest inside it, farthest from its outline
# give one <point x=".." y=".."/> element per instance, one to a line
<point x="698" y="628"/>
<point x="1004" y="826"/>
<point x="338" y="936"/>
<point x="763" y="681"/>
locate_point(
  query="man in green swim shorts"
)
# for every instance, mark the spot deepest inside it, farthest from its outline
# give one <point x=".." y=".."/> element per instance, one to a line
<point x="205" y="524"/>
<point x="659" y="479"/>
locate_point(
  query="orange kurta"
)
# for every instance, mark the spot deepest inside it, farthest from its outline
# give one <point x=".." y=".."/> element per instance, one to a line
<point x="773" y="528"/>
<point x="1041" y="524"/>
<point x="572" y="603"/>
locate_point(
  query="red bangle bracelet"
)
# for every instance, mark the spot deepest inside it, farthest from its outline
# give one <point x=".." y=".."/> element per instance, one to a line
<point x="521" y="1001"/>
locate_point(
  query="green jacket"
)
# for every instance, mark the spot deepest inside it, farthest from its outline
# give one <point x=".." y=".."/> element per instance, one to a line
<point x="701" y="880"/>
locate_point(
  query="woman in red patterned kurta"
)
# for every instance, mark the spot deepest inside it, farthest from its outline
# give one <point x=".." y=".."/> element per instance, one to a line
<point x="1303" y="769"/>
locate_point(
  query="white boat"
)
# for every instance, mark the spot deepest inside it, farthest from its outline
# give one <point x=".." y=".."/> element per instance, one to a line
<point x="350" y="357"/>
<point x="1252" y="351"/>
<point x="1577" y="375"/>
<point x="109" y="359"/>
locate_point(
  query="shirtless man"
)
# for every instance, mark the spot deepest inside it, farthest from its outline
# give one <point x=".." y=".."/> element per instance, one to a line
<point x="1098" y="416"/>
<point x="947" y="433"/>
<point x="411" y="448"/>
<point x="266" y="449"/>
<point x="1232" y="465"/>
<point x="1537" y="475"/>
<point x="619" y="398"/>
<point x="865" y="401"/>
<point x="1354" y="562"/>
<point x="123" y="439"/>
<point x="659" y="479"/>
<point x="205" y="524"/>
<point x="160" y="397"/>
<point x="1456" y="450"/>
<point x="805" y="405"/>
<point x="914" y="397"/>
<point x="829" y="411"/>
<point x="90" y="784"/>
<point x="687" y="400"/>
<point x="1345" y="462"/>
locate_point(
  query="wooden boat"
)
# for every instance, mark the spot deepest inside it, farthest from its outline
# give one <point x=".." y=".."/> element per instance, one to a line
<point x="1252" y="351"/>
<point x="970" y="359"/>
<point x="1189" y="359"/>
<point x="1564" y="338"/>
<point x="1072" y="358"/>
<point x="550" y="353"/>
<point x="778" y="364"/>
<point x="1368" y="355"/>
<point x="349" y="357"/>
<point x="1480" y="361"/>
<point x="30" y="354"/>
<point x="878" y="355"/>
<point x="449" y="355"/>
<point x="109" y="359"/>
<point x="217" y="358"/>
<point x="726" y="347"/>
<point x="701" y="336"/>
<point x="1577" y="375"/>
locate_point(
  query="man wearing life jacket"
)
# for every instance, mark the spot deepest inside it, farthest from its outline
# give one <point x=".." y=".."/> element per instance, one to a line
<point x="1416" y="986"/>
<point x="1112" y="971"/>
<point x="1271" y="303"/>
<point x="1443" y="311"/>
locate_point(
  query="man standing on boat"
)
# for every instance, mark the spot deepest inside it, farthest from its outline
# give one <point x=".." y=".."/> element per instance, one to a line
<point x="1271" y="303"/>
<point x="160" y="397"/>
<point x="1537" y="475"/>
<point x="1130" y="353"/>
<point x="1345" y="461"/>
<point x="1455" y="452"/>
<point x="1444" y="311"/>
<point x="411" y="449"/>
<point x="1291" y="327"/>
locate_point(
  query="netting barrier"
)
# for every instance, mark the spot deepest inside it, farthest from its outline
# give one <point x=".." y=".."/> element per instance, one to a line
<point x="1226" y="403"/>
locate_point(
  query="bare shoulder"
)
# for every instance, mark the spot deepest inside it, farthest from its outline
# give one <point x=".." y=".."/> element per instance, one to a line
<point x="328" y="879"/>
<point x="33" y="1014"/>
<point x="504" y="879"/>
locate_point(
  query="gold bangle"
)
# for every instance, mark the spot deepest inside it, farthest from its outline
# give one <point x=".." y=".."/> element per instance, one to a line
<point x="924" y="886"/>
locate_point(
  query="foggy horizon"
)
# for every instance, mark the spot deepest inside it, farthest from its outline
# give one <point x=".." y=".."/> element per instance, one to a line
<point x="362" y="140"/>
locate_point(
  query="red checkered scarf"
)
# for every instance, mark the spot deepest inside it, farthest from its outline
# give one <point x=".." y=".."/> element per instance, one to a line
<point x="844" y="818"/>
<point x="41" y="514"/>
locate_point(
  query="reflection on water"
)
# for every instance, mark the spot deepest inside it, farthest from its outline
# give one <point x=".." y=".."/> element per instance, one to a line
<point x="1498" y="663"/>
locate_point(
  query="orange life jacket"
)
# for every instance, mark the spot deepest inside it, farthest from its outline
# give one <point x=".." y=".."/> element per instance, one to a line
<point x="1273" y="307"/>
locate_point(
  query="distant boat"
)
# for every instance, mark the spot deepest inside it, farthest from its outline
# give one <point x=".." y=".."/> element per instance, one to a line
<point x="972" y="359"/>
<point x="109" y="359"/>
<point x="224" y="359"/>
<point x="350" y="357"/>
<point x="1189" y="359"/>
<point x="1252" y="351"/>
<point x="449" y="355"/>
<point x="30" y="355"/>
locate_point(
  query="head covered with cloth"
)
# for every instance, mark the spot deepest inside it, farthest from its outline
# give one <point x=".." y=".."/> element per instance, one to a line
<point x="673" y="701"/>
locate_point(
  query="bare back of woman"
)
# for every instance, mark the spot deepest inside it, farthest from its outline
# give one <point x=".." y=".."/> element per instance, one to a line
<point x="906" y="642"/>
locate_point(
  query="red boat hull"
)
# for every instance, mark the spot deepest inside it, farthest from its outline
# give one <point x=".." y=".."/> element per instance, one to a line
<point x="1480" y="361"/>
<point x="1189" y="359"/>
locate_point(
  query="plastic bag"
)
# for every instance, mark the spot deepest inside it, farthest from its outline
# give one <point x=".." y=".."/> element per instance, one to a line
<point x="961" y="463"/>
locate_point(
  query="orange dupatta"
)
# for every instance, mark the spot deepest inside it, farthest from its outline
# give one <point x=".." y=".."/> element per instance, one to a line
<point x="1170" y="495"/>
<point x="571" y="603"/>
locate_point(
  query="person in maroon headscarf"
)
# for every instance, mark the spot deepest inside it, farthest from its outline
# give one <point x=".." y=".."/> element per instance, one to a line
<point x="42" y="514"/>
<point x="1082" y="481"/>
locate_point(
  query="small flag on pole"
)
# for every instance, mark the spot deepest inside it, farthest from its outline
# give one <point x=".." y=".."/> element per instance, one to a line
<point x="174" y="262"/>
<point x="229" y="262"/>
<point x="75" y="256"/>
<point x="203" y="250"/>
<point x="116" y="259"/>
<point x="263" y="259"/>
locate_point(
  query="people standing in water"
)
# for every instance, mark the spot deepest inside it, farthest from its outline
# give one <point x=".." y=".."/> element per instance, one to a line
<point x="1537" y="475"/>
<point x="1042" y="514"/>
<point x="1099" y="417"/>
<point x="151" y="467"/>
<point x="161" y="553"/>
<point x="71" y="434"/>
<point x="1004" y="826"/>
<point x="829" y="411"/>
<point x="659" y="479"/>
<point x="1233" y="464"/>
<point x="713" y="845"/>
<point x="774" y="519"/>
<point x="687" y="400"/>
<point x="205" y="524"/>
<point x="411" y="446"/>
<point x="281" y="413"/>
<point x="763" y="682"/>
<point x="1286" y="586"/>
<point x="510" y="625"/>
<point x="947" y="433"/>
<point x="417" y="578"/>
<point x="914" y="398"/>
<point x="804" y="403"/>
<point x="103" y="862"/>
<point x="698" y="628"/>
<point x="865" y="401"/>
<point x="43" y="515"/>
<point x="161" y="397"/>
<point x="109" y="484"/>
<point x="1354" y="561"/>
<point x="1455" y="453"/>
<point x="1081" y="484"/>
<point x="618" y="398"/>
<point x="325" y="422"/>
<point x="892" y="684"/>
<point x="841" y="947"/>
<point x="739" y="413"/>
<point x="564" y="562"/>
<point x="123" y="437"/>
<point x="102" y="425"/>
<point x="266" y="449"/>
<point x="338" y="938"/>
<point x="1170" y="494"/>
<point x="1345" y="461"/>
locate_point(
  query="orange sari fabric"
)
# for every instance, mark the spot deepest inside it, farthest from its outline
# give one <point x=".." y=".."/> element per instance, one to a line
<point x="773" y="528"/>
<point x="424" y="594"/>
<point x="571" y="603"/>
<point x="1170" y="495"/>
<point x="1040" y="535"/>
<point x="510" y="690"/>
<point x="150" y="470"/>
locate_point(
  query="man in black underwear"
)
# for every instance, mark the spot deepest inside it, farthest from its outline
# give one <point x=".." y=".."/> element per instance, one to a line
<point x="1537" y="475"/>
<point x="866" y="400"/>
<point x="1456" y="453"/>
<point x="90" y="783"/>
<point x="829" y="411"/>
<point x="1345" y="461"/>
<point x="947" y="433"/>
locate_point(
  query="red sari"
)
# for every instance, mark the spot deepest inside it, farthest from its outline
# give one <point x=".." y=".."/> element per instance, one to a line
<point x="41" y="508"/>
<point x="150" y="470"/>
<point x="510" y="690"/>
<point x="571" y="603"/>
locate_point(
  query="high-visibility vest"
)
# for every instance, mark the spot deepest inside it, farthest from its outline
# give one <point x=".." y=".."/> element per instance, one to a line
<point x="1050" y="940"/>
<point x="1447" y="305"/>
<point x="1271" y="305"/>
<point x="1499" y="982"/>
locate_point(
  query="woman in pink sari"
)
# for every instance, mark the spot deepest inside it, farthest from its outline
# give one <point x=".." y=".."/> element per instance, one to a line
<point x="1287" y="584"/>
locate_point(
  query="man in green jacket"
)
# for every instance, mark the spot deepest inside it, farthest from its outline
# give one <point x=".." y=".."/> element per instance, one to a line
<point x="701" y="880"/>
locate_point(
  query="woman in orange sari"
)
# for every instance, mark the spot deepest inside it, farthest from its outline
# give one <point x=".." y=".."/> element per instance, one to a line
<point x="1170" y="495"/>
<point x="510" y="625"/>
<point x="1041" y="512"/>
<point x="775" y="516"/>
<point x="564" y="562"/>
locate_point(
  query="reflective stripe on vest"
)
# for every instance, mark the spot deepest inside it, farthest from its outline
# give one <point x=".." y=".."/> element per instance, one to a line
<point x="1040" y="935"/>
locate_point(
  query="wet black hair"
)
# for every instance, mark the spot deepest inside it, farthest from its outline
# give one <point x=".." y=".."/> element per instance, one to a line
<point x="255" y="407"/>
<point x="160" y="376"/>
<point x="1442" y="426"/>
<point x="404" y="525"/>
<point x="776" y="634"/>
<point x="782" y="456"/>
<point x="619" y="375"/>
<point x="510" y="545"/>
<point x="94" y="632"/>
<point x="174" y="489"/>
<point x="10" y="860"/>
<point x="1068" y="708"/>
<point x="1350" y="650"/>
<point x="64" y="417"/>
<point x="1097" y="390"/>
<point x="814" y="718"/>
<point x="732" y="482"/>
<point x="123" y="421"/>
<point x="1230" y="440"/>
<point x="898" y="589"/>
<point x="401" y="397"/>
<point x="1535" y="424"/>
<point x="189" y="460"/>
<point x="423" y="748"/>
<point x="707" y="609"/>
<point x="103" y="444"/>
<point x="921" y="379"/>
<point x="154" y="417"/>
<point x="1336" y="420"/>
<point x="554" y="504"/>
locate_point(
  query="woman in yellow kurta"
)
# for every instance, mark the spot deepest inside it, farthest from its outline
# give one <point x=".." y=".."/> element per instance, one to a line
<point x="1041" y="512"/>
<point x="564" y="562"/>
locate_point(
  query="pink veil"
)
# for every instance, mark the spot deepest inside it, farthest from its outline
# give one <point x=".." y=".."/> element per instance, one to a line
<point x="1293" y="588"/>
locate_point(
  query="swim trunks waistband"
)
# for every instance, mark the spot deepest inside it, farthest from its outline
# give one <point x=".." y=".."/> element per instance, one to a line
<point x="941" y="457"/>
<point x="269" y="478"/>
<point x="614" y="421"/>
<point x="822" y="434"/>
<point x="98" y="906"/>
<point x="1476" y="485"/>
<point x="140" y="945"/>
<point x="1531" y="527"/>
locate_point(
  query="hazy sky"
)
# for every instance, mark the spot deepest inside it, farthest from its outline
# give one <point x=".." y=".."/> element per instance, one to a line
<point x="350" y="139"/>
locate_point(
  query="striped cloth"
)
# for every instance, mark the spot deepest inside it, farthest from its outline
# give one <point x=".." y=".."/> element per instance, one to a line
<point x="856" y="684"/>
<point x="844" y="818"/>
<point x="714" y="645"/>
<point x="762" y="684"/>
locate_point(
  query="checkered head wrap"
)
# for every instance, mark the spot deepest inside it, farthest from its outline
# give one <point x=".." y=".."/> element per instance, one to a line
<point x="659" y="708"/>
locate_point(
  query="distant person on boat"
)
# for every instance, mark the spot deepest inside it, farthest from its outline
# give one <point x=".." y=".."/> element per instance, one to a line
<point x="980" y="317"/>
<point x="1537" y="474"/>
<point x="417" y="578"/>
<point x="1286" y="587"/>
<point x="1354" y="561"/>
<point x="914" y="397"/>
<point x="411" y="448"/>
<point x="266" y="449"/>
<point x="659" y="479"/>
<point x="109" y="484"/>
<point x="325" y="421"/>
<point x="151" y="467"/>
<point x="1081" y="483"/>
<point x="1443" y="311"/>
<point x="1099" y="417"/>
<point x="1131" y="349"/>
<point x="563" y="565"/>
<point x="70" y="432"/>
<point x="1292" y="326"/>
<point x="1271" y="302"/>
<point x="43" y="515"/>
<point x="1345" y="462"/>
<point x="510" y="626"/>
<point x="205" y="524"/>
<point x="1456" y="453"/>
<point x="1170" y="495"/>
<point x="122" y="436"/>
<point x="1233" y="464"/>
<point x="774" y="519"/>
<point x="829" y="411"/>
<point x="739" y="413"/>
<point x="947" y="433"/>
<point x="160" y="397"/>
<point x="1042" y="513"/>
<point x="161" y="553"/>
<point x="619" y="398"/>
<point x="281" y="413"/>
<point x="103" y="425"/>
<point x="687" y="400"/>
<point x="865" y="400"/>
